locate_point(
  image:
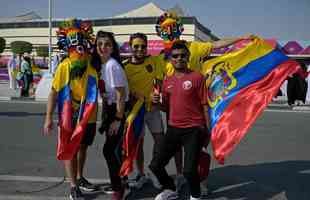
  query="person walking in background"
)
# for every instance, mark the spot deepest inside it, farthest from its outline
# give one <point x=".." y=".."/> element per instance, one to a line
<point x="114" y="96"/>
<point x="184" y="96"/>
<point x="297" y="86"/>
<point x="26" y="75"/>
<point x="12" y="69"/>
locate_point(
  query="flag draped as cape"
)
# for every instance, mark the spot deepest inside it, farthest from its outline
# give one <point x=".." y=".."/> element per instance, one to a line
<point x="69" y="137"/>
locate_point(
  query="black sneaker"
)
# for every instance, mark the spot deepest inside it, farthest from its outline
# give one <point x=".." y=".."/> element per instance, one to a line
<point x="76" y="194"/>
<point x="85" y="185"/>
<point x="108" y="189"/>
<point x="138" y="182"/>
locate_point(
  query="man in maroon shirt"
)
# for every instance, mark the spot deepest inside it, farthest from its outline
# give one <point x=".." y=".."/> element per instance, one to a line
<point x="184" y="97"/>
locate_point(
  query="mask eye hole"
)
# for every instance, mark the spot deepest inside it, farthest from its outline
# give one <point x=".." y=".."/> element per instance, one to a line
<point x="80" y="49"/>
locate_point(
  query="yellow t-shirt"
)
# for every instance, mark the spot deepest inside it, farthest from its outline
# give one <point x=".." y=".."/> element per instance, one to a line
<point x="140" y="76"/>
<point x="78" y="86"/>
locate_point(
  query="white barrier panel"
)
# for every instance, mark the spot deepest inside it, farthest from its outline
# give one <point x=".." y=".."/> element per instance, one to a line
<point x="44" y="87"/>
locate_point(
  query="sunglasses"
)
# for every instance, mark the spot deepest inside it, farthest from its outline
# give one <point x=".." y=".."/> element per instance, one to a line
<point x="137" y="46"/>
<point x="181" y="55"/>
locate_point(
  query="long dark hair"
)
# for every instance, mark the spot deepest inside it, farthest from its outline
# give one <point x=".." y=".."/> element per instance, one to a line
<point x="96" y="62"/>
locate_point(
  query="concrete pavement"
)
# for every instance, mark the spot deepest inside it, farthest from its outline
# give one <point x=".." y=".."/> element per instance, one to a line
<point x="271" y="162"/>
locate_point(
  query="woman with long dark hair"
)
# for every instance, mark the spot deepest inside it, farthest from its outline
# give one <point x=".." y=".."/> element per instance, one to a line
<point x="106" y="58"/>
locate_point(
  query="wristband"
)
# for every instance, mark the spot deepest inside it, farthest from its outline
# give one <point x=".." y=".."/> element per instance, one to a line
<point x="117" y="118"/>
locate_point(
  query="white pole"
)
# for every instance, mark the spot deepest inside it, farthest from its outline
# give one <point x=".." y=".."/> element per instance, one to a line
<point x="50" y="36"/>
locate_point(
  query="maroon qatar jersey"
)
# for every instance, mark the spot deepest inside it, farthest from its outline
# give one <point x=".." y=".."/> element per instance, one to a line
<point x="185" y="97"/>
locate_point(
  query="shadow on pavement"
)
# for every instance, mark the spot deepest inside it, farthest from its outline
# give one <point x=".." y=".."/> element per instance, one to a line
<point x="279" y="180"/>
<point x="261" y="181"/>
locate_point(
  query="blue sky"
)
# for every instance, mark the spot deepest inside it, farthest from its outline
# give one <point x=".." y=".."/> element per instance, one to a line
<point x="280" y="19"/>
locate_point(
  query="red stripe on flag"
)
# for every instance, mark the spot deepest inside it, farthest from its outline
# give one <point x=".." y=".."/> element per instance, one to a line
<point x="130" y="148"/>
<point x="69" y="141"/>
<point x="245" y="107"/>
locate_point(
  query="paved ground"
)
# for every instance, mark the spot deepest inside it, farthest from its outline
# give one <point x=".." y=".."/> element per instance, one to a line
<point x="271" y="162"/>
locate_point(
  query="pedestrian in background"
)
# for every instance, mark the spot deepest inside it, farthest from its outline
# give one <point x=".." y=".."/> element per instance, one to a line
<point x="12" y="69"/>
<point x="26" y="75"/>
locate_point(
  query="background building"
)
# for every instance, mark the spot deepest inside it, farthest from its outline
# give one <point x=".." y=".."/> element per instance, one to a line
<point x="33" y="29"/>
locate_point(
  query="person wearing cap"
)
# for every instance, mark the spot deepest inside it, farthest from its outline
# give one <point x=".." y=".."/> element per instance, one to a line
<point x="184" y="97"/>
<point x="142" y="70"/>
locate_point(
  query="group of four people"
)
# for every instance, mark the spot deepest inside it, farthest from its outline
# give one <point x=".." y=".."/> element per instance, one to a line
<point x="183" y="99"/>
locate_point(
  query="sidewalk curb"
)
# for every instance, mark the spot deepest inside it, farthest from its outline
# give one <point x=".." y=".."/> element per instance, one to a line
<point x="8" y="98"/>
<point x="23" y="98"/>
<point x="5" y="98"/>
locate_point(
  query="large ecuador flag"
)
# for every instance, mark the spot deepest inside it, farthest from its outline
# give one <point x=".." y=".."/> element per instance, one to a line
<point x="240" y="85"/>
<point x="133" y="137"/>
<point x="69" y="137"/>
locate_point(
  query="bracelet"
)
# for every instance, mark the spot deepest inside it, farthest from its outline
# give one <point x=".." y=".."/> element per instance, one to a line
<point x="117" y="118"/>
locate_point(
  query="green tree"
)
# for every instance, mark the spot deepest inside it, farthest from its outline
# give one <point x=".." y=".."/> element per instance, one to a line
<point x="21" y="47"/>
<point x="42" y="51"/>
<point x="2" y="44"/>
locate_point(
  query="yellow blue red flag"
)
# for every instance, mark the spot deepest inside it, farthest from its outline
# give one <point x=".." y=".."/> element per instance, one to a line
<point x="133" y="137"/>
<point x="240" y="86"/>
<point x="70" y="136"/>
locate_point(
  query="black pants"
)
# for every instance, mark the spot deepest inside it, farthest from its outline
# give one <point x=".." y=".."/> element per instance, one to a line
<point x="112" y="149"/>
<point x="27" y="80"/>
<point x="192" y="140"/>
<point x="296" y="89"/>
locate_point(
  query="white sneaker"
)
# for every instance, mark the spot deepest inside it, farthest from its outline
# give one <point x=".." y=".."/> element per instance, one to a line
<point x="204" y="191"/>
<point x="154" y="180"/>
<point x="193" y="198"/>
<point x="167" y="195"/>
<point x="179" y="182"/>
<point x="139" y="182"/>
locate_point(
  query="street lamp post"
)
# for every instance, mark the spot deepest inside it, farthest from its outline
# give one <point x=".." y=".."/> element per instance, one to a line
<point x="45" y="83"/>
<point x="50" y="36"/>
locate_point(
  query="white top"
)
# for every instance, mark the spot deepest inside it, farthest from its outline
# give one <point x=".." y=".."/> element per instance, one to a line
<point x="12" y="63"/>
<point x="55" y="63"/>
<point x="114" y="76"/>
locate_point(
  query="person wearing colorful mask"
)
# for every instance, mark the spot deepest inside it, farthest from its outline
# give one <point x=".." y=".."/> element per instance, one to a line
<point x="169" y="27"/>
<point x="114" y="96"/>
<point x="74" y="88"/>
<point x="143" y="70"/>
